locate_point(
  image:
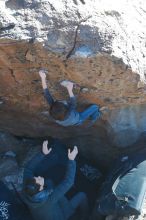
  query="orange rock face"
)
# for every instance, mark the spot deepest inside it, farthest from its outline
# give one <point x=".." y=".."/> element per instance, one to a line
<point x="100" y="79"/>
<point x="108" y="80"/>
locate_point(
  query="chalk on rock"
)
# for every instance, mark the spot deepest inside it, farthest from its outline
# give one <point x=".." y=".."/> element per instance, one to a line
<point x="1" y="100"/>
<point x="104" y="109"/>
<point x="10" y="154"/>
<point x="46" y="113"/>
<point x="124" y="158"/>
<point x="84" y="90"/>
<point x="65" y="83"/>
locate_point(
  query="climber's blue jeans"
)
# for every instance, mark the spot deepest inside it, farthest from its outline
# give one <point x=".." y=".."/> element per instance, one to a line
<point x="92" y="112"/>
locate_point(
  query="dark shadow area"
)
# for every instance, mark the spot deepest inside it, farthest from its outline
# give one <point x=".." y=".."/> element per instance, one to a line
<point x="90" y="158"/>
<point x="95" y="152"/>
<point x="10" y="205"/>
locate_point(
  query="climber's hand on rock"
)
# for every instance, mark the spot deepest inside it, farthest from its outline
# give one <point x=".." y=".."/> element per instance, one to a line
<point x="45" y="149"/>
<point x="72" y="154"/>
<point x="42" y="74"/>
<point x="69" y="86"/>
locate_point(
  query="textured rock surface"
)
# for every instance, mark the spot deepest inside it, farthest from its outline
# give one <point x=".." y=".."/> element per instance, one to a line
<point x="100" y="45"/>
<point x="12" y="162"/>
<point x="128" y="124"/>
<point x="7" y="166"/>
<point x="8" y="142"/>
<point x="117" y="28"/>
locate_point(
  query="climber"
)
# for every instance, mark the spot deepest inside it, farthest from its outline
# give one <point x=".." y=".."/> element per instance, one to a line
<point x="65" y="113"/>
<point x="44" y="199"/>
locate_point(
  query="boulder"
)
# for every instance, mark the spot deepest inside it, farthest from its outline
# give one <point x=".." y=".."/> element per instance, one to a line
<point x="93" y="43"/>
